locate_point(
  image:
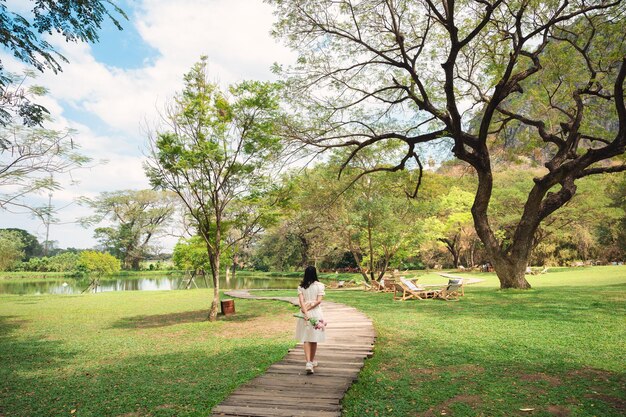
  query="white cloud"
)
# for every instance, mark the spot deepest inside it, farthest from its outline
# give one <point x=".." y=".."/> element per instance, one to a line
<point x="108" y="106"/>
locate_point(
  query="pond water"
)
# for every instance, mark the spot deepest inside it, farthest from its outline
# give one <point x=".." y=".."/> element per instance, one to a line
<point x="148" y="283"/>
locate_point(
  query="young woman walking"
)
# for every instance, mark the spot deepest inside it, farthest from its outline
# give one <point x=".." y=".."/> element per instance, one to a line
<point x="310" y="294"/>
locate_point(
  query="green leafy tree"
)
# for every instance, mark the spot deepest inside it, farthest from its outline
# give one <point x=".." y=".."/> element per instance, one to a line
<point x="63" y="262"/>
<point x="11" y="249"/>
<point x="191" y="255"/>
<point x="96" y="264"/>
<point x="32" y="247"/>
<point x="612" y="234"/>
<point x="24" y="36"/>
<point x="138" y="216"/>
<point x="452" y="224"/>
<point x="214" y="153"/>
<point x="372" y="72"/>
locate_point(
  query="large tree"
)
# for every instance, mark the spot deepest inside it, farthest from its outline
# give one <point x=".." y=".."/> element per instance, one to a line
<point x="136" y="216"/>
<point x="32" y="247"/>
<point x="23" y="35"/>
<point x="468" y="71"/>
<point x="215" y="154"/>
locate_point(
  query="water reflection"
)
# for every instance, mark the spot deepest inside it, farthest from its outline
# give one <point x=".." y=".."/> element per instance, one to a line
<point x="152" y="283"/>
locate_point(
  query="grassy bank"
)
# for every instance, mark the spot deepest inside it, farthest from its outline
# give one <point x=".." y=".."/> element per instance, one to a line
<point x="131" y="353"/>
<point x="557" y="349"/>
<point x="45" y="276"/>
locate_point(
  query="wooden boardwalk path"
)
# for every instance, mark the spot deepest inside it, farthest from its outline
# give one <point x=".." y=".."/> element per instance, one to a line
<point x="286" y="390"/>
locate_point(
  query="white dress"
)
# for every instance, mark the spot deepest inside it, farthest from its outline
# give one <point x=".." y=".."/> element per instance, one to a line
<point x="305" y="332"/>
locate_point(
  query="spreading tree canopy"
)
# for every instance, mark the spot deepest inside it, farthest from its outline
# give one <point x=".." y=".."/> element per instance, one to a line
<point x="470" y="72"/>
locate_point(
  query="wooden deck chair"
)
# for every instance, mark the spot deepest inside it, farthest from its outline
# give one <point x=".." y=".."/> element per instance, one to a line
<point x="407" y="290"/>
<point x="389" y="285"/>
<point x="377" y="286"/>
<point x="452" y="292"/>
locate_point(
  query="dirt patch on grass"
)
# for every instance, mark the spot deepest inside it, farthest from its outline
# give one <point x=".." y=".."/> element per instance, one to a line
<point x="619" y="404"/>
<point x="553" y="381"/>
<point x="558" y="411"/>
<point x="262" y="327"/>
<point x="591" y="373"/>
<point x="444" y="409"/>
<point x="165" y="406"/>
<point x="469" y="368"/>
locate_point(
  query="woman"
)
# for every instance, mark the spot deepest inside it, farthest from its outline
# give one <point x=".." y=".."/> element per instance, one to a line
<point x="310" y="294"/>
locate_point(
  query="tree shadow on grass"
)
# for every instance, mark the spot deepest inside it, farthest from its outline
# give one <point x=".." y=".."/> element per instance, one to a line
<point x="27" y="353"/>
<point x="20" y="356"/>
<point x="186" y="383"/>
<point x="172" y="319"/>
<point x="160" y="320"/>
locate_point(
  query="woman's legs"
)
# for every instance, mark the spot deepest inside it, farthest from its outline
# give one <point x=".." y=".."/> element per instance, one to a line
<point x="309" y="351"/>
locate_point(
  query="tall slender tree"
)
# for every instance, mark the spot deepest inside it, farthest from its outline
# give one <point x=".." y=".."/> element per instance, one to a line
<point x="214" y="153"/>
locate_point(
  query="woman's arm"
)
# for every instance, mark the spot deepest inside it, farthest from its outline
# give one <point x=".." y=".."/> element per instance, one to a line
<point x="311" y="306"/>
<point x="303" y="305"/>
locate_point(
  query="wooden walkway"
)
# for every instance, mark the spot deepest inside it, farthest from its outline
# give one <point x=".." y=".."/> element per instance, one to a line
<point x="286" y="390"/>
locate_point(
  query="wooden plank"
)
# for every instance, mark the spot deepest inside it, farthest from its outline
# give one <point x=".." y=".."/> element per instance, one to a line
<point x="350" y="338"/>
<point x="272" y="412"/>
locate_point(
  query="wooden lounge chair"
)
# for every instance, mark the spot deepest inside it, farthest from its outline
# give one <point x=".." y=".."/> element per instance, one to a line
<point x="390" y="285"/>
<point x="376" y="286"/>
<point x="407" y="290"/>
<point x="452" y="291"/>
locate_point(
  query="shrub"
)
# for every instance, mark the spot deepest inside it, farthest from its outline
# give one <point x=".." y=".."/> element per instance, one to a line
<point x="98" y="263"/>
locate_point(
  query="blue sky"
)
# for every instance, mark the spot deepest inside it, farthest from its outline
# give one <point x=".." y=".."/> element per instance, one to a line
<point x="111" y="92"/>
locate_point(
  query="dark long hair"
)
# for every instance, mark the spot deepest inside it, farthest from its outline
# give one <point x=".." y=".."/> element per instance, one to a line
<point x="310" y="276"/>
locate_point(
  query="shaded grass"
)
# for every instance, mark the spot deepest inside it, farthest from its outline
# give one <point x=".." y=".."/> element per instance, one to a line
<point x="132" y="353"/>
<point x="557" y="349"/>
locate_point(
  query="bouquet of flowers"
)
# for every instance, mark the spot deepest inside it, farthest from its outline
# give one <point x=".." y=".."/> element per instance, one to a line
<point x="318" y="324"/>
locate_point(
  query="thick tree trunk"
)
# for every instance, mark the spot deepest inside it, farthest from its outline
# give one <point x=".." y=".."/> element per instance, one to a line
<point x="511" y="272"/>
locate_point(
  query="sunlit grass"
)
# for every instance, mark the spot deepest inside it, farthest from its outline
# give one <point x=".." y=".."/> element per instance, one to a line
<point x="558" y="349"/>
<point x="132" y="353"/>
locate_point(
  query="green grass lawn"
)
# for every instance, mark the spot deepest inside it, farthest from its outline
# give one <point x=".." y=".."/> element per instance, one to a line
<point x="131" y="353"/>
<point x="557" y="349"/>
